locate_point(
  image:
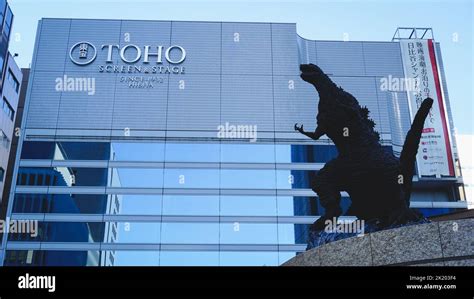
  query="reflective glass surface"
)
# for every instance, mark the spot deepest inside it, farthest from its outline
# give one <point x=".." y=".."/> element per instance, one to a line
<point x="190" y="233"/>
<point x="248" y="206"/>
<point x="60" y="232"/>
<point x="189" y="258"/>
<point x="144" y="258"/>
<point x="248" y="233"/>
<point x="248" y="153"/>
<point x="247" y="179"/>
<point x="233" y="258"/>
<point x="191" y="205"/>
<point x="112" y="204"/>
<point x="191" y="178"/>
<point x="62" y="176"/>
<point x="196" y="152"/>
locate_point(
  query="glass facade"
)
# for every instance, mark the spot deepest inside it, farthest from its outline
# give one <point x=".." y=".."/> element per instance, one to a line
<point x="141" y="176"/>
<point x="214" y="204"/>
<point x="6" y="20"/>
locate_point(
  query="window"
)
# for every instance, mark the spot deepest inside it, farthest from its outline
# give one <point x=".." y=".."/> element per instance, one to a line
<point x="8" y="23"/>
<point x="2" y="174"/>
<point x="13" y="81"/>
<point x="5" y="140"/>
<point x="7" y="108"/>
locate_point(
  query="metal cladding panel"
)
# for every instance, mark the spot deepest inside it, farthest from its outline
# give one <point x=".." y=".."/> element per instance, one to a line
<point x="294" y="105"/>
<point x="247" y="100"/>
<point x="306" y="51"/>
<point x="284" y="49"/>
<point x="445" y="94"/>
<point x="364" y="90"/>
<point x="202" y="42"/>
<point x="246" y="48"/>
<point x="44" y="101"/>
<point x="97" y="32"/>
<point x="84" y="111"/>
<point x="383" y="103"/>
<point x="382" y="59"/>
<point x="52" y="48"/>
<point x="140" y="108"/>
<point x="340" y="58"/>
<point x="153" y="33"/>
<point x="399" y="114"/>
<point x="194" y="103"/>
<point x="227" y="78"/>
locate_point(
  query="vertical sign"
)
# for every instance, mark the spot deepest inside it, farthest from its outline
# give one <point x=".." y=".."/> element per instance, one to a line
<point x="434" y="156"/>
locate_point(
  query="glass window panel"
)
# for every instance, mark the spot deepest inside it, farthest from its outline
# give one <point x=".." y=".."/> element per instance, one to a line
<point x="191" y="178"/>
<point x="191" y="205"/>
<point x="62" y="203"/>
<point x="131" y="258"/>
<point x="248" y="206"/>
<point x="247" y="179"/>
<point x="182" y="152"/>
<point x="137" y="177"/>
<point x="136" y="204"/>
<point x="132" y="232"/>
<point x="37" y="150"/>
<point x="294" y="179"/>
<point x="66" y="150"/>
<point x="289" y="233"/>
<point x="189" y="258"/>
<point x="51" y="258"/>
<point x="123" y="151"/>
<point x="63" y="176"/>
<point x="60" y="232"/>
<point x="248" y="233"/>
<point x="248" y="258"/>
<point x="82" y="151"/>
<point x="190" y="233"/>
<point x="248" y="153"/>
<point x="298" y="206"/>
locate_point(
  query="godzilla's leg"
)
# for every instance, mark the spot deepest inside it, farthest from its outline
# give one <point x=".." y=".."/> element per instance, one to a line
<point x="324" y="184"/>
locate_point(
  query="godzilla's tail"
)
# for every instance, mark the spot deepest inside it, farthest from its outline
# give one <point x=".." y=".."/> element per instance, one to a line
<point x="410" y="147"/>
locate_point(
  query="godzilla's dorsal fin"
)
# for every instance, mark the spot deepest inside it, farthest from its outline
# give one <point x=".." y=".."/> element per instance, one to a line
<point x="410" y="147"/>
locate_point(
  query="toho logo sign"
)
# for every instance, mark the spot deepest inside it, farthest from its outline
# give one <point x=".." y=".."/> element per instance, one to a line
<point x="84" y="53"/>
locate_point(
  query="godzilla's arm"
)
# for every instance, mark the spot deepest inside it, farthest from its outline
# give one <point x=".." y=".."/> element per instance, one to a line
<point x="313" y="135"/>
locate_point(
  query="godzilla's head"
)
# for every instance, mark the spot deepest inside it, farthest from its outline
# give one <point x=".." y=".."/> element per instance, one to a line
<point x="311" y="73"/>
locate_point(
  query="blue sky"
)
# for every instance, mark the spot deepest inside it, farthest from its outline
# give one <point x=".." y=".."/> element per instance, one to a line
<point x="323" y="20"/>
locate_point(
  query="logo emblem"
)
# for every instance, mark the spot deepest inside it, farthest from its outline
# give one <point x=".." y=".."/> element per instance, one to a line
<point x="83" y="53"/>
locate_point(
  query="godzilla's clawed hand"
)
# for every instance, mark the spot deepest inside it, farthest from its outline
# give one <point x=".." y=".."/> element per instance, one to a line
<point x="299" y="129"/>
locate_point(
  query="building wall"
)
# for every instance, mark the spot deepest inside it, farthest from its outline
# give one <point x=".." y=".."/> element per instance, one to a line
<point x="10" y="93"/>
<point x="188" y="196"/>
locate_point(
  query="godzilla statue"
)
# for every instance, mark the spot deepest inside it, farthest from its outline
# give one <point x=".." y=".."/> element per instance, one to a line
<point x="378" y="183"/>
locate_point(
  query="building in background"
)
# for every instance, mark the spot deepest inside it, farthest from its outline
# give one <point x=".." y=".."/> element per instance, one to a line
<point x="173" y="143"/>
<point x="466" y="154"/>
<point x="10" y="84"/>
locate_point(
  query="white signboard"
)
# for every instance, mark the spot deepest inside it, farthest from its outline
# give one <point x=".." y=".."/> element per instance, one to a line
<point x="434" y="158"/>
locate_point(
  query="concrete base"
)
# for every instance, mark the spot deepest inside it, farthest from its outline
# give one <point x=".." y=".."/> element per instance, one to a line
<point x="447" y="243"/>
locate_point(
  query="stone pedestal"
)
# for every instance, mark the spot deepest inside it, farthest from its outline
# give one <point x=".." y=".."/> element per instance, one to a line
<point x="447" y="243"/>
